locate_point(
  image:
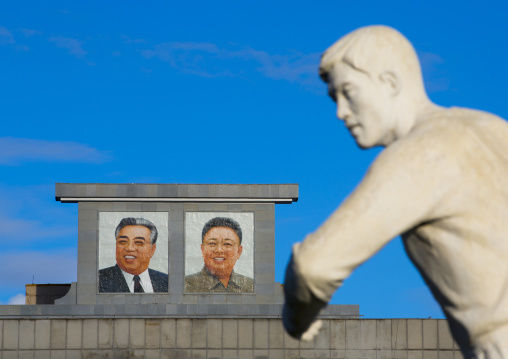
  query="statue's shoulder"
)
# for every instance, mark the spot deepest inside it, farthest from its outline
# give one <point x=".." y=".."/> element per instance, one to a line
<point x="446" y="127"/>
<point x="436" y="136"/>
<point x="447" y="134"/>
<point x="457" y="119"/>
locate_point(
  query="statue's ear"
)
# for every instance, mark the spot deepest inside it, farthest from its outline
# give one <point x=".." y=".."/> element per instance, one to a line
<point x="392" y="80"/>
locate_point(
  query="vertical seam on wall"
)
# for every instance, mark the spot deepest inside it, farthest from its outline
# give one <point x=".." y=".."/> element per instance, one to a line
<point x="160" y="337"/>
<point x="269" y="333"/>
<point x="283" y="338"/>
<point x="221" y="338"/>
<point x="81" y="334"/>
<point x="192" y="331"/>
<point x="421" y="329"/>
<point x="66" y="346"/>
<point x="345" y="337"/>
<point x="437" y="335"/>
<point x="407" y="338"/>
<point x="129" y="342"/>
<point x="50" y="335"/>
<point x="237" y="335"/>
<point x="393" y="343"/>
<point x="113" y="349"/>
<point x="144" y="336"/>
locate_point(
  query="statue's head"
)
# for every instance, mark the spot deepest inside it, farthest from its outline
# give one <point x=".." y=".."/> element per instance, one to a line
<point x="373" y="73"/>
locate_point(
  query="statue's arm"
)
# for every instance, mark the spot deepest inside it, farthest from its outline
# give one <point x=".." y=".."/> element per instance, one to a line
<point x="399" y="191"/>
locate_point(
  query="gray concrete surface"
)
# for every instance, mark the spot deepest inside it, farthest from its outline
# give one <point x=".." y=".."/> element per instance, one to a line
<point x="223" y="338"/>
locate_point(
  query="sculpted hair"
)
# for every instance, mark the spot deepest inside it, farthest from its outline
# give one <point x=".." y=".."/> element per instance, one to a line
<point x="374" y="50"/>
<point x="131" y="221"/>
<point x="222" y="222"/>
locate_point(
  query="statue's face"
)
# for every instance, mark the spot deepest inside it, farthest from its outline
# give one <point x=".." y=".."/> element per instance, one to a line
<point x="364" y="104"/>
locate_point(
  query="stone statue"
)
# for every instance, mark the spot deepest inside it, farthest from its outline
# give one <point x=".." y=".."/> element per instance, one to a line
<point x="441" y="182"/>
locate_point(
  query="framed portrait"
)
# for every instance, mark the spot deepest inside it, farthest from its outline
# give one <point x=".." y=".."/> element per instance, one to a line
<point x="219" y="252"/>
<point x="133" y="252"/>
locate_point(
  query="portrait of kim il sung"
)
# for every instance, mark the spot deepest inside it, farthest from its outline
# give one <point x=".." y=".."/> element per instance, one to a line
<point x="133" y="252"/>
<point x="219" y="252"/>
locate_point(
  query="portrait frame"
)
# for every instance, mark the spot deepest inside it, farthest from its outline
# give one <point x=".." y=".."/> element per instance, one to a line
<point x="194" y="222"/>
<point x="106" y="248"/>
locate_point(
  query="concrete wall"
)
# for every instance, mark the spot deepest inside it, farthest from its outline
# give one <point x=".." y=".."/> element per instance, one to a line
<point x="223" y="338"/>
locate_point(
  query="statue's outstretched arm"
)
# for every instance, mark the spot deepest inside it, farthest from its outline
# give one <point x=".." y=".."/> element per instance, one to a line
<point x="400" y="191"/>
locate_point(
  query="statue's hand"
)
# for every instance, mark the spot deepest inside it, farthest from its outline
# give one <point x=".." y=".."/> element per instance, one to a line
<point x="312" y="331"/>
<point x="301" y="307"/>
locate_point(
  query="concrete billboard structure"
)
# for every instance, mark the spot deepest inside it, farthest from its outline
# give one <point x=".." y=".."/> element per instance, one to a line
<point x="180" y="323"/>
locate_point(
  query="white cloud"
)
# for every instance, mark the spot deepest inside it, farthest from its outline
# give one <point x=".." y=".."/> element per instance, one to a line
<point x="6" y="37"/>
<point x="17" y="299"/>
<point x="188" y="57"/>
<point x="23" y="48"/>
<point x="293" y="67"/>
<point x="128" y="40"/>
<point x="74" y="46"/>
<point x="16" y="150"/>
<point x="30" y="32"/>
<point x="208" y="60"/>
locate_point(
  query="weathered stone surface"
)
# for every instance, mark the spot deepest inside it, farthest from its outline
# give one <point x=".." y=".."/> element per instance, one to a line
<point x="121" y="333"/>
<point x="249" y="338"/>
<point x="275" y="334"/>
<point x="383" y="334"/>
<point x="430" y="334"/>
<point x="445" y="340"/>
<point x="74" y="334"/>
<point x="105" y="333"/>
<point x="26" y="334"/>
<point x="353" y="335"/>
<point x="152" y="333"/>
<point x="58" y="333"/>
<point x="338" y="334"/>
<point x="199" y="332"/>
<point x="168" y="333"/>
<point x="368" y="334"/>
<point x="230" y="333"/>
<point x="183" y="333"/>
<point x="11" y="335"/>
<point x="245" y="333"/>
<point x="90" y="332"/>
<point x="214" y="330"/>
<point x="137" y="333"/>
<point x="399" y="330"/>
<point x="260" y="333"/>
<point x="414" y="333"/>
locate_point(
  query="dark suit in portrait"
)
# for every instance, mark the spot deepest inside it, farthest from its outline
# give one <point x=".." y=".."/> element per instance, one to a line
<point x="135" y="246"/>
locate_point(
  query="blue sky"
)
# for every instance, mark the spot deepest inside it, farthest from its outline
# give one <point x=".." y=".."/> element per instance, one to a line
<point x="211" y="92"/>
